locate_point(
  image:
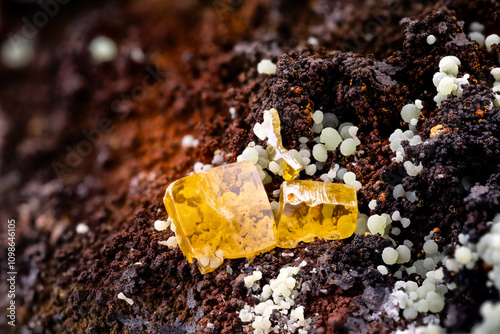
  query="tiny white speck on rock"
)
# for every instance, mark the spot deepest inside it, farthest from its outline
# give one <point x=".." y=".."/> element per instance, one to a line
<point x="233" y="112"/>
<point x="266" y="66"/>
<point x="478" y="37"/>
<point x="82" y="228"/>
<point x="476" y="26"/>
<point x="103" y="49"/>
<point x="189" y="141"/>
<point x="490" y="40"/>
<point x="125" y="298"/>
<point x="389" y="255"/>
<point x="313" y="41"/>
<point x="137" y="55"/>
<point x="430" y="247"/>
<point x="463" y="254"/>
<point x="161" y="225"/>
<point x="171" y="242"/>
<point x="349" y="177"/>
<point x="310" y="170"/>
<point x="229" y="270"/>
<point x="319" y="152"/>
<point x="382" y="269"/>
<point x="317" y="117"/>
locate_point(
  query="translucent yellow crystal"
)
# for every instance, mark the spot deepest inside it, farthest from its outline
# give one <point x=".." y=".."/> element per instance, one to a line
<point x="310" y="209"/>
<point x="221" y="213"/>
<point x="271" y="128"/>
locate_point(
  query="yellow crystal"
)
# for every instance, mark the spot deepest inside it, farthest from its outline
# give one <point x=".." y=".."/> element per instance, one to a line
<point x="221" y="213"/>
<point x="271" y="128"/>
<point x="310" y="209"/>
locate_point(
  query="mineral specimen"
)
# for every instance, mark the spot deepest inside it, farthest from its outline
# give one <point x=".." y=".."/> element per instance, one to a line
<point x="225" y="213"/>
<point x="271" y="128"/>
<point x="311" y="209"/>
<point x="221" y="213"/>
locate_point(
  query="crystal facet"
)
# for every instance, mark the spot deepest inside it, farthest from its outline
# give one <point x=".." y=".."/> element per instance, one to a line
<point x="221" y="213"/>
<point x="310" y="209"/>
<point x="271" y="128"/>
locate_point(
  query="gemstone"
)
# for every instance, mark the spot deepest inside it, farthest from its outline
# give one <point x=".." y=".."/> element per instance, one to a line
<point x="221" y="213"/>
<point x="271" y="128"/>
<point x="309" y="209"/>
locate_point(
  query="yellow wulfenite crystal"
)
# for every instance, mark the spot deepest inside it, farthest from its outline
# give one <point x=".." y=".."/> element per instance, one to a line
<point x="271" y="128"/>
<point x="221" y="213"/>
<point x="311" y="209"/>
